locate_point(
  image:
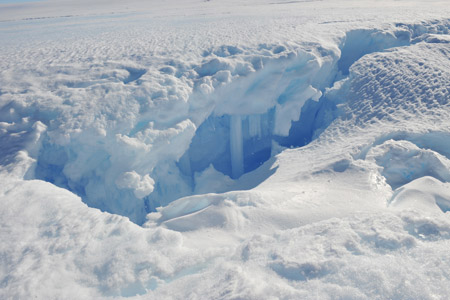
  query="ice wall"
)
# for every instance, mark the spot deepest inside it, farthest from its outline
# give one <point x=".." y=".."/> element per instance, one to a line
<point x="253" y="112"/>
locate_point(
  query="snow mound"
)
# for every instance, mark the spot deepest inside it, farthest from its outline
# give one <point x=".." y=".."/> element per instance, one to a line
<point x="362" y="257"/>
<point x="425" y="193"/>
<point x="61" y="248"/>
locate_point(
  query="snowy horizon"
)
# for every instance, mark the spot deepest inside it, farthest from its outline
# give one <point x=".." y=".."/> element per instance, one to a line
<point x="225" y="149"/>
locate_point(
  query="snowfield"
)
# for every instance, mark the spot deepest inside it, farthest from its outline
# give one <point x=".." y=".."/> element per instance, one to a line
<point x="211" y="149"/>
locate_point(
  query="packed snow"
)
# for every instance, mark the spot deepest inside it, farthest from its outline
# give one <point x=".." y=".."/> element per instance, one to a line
<point x="225" y="149"/>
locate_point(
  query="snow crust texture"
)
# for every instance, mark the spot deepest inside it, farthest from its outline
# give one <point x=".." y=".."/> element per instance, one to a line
<point x="204" y="150"/>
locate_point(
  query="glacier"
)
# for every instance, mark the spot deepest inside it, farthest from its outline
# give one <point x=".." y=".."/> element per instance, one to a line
<point x="271" y="149"/>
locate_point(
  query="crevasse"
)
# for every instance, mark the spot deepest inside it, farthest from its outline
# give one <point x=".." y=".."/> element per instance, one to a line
<point x="233" y="122"/>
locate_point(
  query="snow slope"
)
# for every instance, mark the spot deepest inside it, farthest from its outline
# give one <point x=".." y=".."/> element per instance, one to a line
<point x="268" y="149"/>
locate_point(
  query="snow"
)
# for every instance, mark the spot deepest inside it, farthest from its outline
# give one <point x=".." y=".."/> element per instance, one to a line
<point x="225" y="149"/>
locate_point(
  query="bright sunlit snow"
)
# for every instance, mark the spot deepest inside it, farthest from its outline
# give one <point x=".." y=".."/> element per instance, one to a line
<point x="261" y="149"/>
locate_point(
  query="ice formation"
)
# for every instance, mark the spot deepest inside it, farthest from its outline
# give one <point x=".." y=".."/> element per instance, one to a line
<point x="199" y="149"/>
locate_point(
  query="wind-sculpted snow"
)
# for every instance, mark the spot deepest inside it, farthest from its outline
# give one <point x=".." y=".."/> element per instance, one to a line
<point x="270" y="153"/>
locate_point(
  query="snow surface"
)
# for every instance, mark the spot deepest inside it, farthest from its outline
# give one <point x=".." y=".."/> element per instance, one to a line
<point x="225" y="149"/>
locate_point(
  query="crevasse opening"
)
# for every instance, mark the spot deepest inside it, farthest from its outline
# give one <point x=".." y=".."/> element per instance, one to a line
<point x="233" y="144"/>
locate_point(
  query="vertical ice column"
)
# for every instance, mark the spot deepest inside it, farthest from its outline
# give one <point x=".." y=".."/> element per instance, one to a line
<point x="254" y="126"/>
<point x="236" y="146"/>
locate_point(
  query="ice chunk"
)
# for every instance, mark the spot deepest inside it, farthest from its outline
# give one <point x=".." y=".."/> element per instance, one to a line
<point x="141" y="185"/>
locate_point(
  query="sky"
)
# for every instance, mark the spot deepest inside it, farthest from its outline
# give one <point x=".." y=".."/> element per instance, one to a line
<point x="16" y="1"/>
